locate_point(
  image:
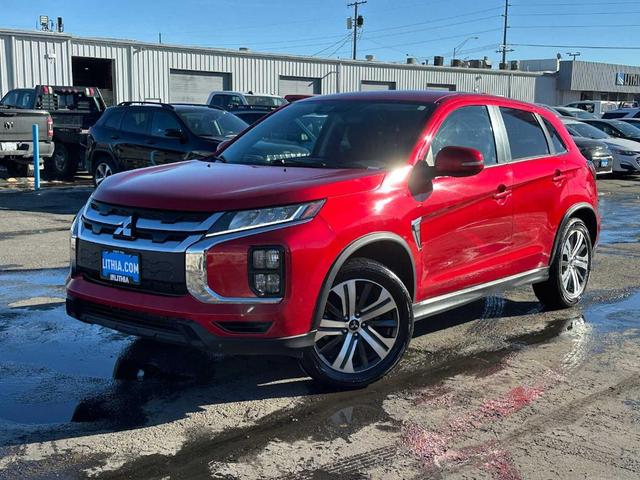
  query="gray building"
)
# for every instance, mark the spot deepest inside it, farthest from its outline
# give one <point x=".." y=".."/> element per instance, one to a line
<point x="129" y="70"/>
<point x="570" y="81"/>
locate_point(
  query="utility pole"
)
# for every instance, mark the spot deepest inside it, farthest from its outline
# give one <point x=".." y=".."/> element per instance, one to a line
<point x="159" y="37"/>
<point x="357" y="23"/>
<point x="504" y="48"/>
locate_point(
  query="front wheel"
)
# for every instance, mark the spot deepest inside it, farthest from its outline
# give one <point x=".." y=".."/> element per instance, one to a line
<point x="366" y="325"/>
<point x="570" y="270"/>
<point x="103" y="167"/>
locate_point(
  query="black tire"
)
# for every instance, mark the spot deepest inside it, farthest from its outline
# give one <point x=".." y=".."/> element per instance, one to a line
<point x="17" y="169"/>
<point x="553" y="293"/>
<point x="394" y="327"/>
<point x="98" y="164"/>
<point x="62" y="165"/>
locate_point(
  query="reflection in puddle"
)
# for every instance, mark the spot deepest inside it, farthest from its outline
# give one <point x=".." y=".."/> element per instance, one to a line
<point x="620" y="219"/>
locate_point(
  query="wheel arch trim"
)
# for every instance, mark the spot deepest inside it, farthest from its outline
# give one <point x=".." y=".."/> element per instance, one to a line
<point x="570" y="213"/>
<point x="346" y="253"/>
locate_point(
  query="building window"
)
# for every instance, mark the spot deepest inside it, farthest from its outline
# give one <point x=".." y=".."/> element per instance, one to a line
<point x="441" y="86"/>
<point x="372" y="85"/>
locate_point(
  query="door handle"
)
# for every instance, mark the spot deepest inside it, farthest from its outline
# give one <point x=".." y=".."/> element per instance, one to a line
<point x="558" y="176"/>
<point x="502" y="192"/>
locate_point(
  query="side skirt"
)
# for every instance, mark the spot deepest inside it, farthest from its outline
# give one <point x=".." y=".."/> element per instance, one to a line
<point x="435" y="305"/>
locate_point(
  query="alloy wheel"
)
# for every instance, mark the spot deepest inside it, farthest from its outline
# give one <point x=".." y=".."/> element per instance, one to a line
<point x="103" y="170"/>
<point x="359" y="327"/>
<point x="59" y="160"/>
<point x="574" y="267"/>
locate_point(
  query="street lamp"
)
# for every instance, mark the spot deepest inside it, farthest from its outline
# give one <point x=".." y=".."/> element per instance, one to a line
<point x="462" y="44"/>
<point x="574" y="55"/>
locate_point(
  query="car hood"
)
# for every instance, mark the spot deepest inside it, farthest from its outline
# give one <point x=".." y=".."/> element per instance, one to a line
<point x="623" y="143"/>
<point x="205" y="186"/>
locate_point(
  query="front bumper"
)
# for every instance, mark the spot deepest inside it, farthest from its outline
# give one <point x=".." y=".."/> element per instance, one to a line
<point x="183" y="331"/>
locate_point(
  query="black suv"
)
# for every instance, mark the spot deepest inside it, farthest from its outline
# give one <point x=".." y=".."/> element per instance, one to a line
<point x="142" y="134"/>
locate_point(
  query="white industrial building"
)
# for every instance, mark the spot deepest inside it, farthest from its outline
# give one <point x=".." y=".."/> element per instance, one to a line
<point x="130" y="70"/>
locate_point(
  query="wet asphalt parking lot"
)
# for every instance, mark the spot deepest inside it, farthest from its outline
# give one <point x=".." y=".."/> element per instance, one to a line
<point x="498" y="389"/>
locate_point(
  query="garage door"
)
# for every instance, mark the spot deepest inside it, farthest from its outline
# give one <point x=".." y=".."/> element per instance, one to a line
<point x="194" y="87"/>
<point x="298" y="85"/>
<point x="370" y="85"/>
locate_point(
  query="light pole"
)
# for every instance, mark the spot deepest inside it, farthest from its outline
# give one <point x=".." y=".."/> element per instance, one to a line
<point x="574" y="55"/>
<point x="462" y="44"/>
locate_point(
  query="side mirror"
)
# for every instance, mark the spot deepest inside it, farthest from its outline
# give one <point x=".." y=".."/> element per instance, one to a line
<point x="174" y="133"/>
<point x="458" y="162"/>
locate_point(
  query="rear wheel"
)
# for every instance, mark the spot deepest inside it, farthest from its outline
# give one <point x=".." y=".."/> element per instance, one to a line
<point x="570" y="270"/>
<point x="62" y="165"/>
<point x="102" y="168"/>
<point x="367" y="323"/>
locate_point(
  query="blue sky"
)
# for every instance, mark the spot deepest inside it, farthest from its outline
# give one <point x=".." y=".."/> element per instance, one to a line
<point x="393" y="28"/>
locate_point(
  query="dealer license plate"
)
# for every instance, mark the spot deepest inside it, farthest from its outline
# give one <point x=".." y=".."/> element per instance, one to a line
<point x="120" y="267"/>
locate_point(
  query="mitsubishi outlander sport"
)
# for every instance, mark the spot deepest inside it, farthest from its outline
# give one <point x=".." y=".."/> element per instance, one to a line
<point x="327" y="229"/>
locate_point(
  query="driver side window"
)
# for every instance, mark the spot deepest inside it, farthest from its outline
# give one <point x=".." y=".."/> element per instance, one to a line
<point x="466" y="127"/>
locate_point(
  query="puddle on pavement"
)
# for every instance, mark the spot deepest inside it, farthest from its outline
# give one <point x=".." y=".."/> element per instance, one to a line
<point x="620" y="219"/>
<point x="54" y="369"/>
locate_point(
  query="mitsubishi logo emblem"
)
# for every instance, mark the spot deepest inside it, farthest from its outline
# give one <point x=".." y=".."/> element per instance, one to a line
<point x="126" y="229"/>
<point x="8" y="125"/>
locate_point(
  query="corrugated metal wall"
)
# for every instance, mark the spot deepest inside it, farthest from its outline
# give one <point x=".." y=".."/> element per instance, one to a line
<point x="141" y="71"/>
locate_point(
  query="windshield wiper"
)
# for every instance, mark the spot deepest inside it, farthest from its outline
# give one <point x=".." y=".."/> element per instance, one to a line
<point x="214" y="159"/>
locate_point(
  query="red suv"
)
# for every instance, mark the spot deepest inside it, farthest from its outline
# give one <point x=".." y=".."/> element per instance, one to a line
<point x="325" y="230"/>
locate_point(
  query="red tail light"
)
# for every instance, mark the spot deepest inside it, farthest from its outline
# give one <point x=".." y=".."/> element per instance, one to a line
<point x="49" y="127"/>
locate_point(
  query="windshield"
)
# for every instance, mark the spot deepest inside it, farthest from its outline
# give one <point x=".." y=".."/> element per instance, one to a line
<point x="333" y="134"/>
<point x="584" y="130"/>
<point x="209" y="122"/>
<point x="582" y="114"/>
<point x="625" y="128"/>
<point x="264" y="100"/>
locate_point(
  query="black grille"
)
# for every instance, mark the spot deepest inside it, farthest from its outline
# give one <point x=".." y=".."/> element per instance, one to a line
<point x="165" y="216"/>
<point x="244" y="327"/>
<point x="161" y="273"/>
<point x="144" y="320"/>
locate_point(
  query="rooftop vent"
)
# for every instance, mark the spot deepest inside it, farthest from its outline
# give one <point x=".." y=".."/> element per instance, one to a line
<point x="244" y="49"/>
<point x="369" y="58"/>
<point x="412" y="61"/>
<point x="438" y="61"/>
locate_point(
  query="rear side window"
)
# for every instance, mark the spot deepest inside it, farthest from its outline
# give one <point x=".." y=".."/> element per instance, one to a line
<point x="556" y="140"/>
<point x="614" y="114"/>
<point x="136" y="121"/>
<point x="113" y="119"/>
<point x="526" y="137"/>
<point x="467" y="127"/>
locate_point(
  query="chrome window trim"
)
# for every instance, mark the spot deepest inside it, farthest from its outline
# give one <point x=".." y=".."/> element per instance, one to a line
<point x="196" y="266"/>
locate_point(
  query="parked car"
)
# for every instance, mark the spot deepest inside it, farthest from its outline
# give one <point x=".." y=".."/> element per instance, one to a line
<point x="251" y="113"/>
<point x="74" y="110"/>
<point x="626" y="153"/>
<point x="622" y="113"/>
<point x="598" y="107"/>
<point x="634" y="122"/>
<point x="329" y="246"/>
<point x="229" y="100"/>
<point x="16" y="138"/>
<point x="616" y="128"/>
<point x="597" y="153"/>
<point x="141" y="134"/>
<point x="573" y="112"/>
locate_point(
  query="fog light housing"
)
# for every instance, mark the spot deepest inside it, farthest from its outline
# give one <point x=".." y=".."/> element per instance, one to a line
<point x="266" y="271"/>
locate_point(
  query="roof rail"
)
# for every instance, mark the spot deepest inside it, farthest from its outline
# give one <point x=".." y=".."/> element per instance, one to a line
<point x="187" y="104"/>
<point x="144" y="102"/>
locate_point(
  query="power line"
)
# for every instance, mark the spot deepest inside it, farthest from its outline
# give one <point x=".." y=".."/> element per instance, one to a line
<point x="428" y="40"/>
<point x="344" y="37"/>
<point x="573" y="14"/>
<point x="593" y="47"/>
<point x="537" y="27"/>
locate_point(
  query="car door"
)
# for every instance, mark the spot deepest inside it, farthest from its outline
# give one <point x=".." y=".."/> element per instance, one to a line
<point x="466" y="223"/>
<point x="539" y="177"/>
<point x="131" y="145"/>
<point x="167" y="139"/>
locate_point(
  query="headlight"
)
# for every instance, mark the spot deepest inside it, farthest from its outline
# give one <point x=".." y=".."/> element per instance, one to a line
<point x="263" y="217"/>
<point x="627" y="153"/>
<point x="73" y="240"/>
